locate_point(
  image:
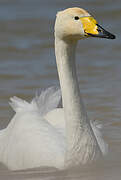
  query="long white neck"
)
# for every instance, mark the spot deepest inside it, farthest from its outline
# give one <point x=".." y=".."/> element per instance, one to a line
<point x="73" y="107"/>
<point x="75" y="115"/>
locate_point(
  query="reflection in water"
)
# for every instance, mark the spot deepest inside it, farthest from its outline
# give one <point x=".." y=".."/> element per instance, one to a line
<point x="28" y="63"/>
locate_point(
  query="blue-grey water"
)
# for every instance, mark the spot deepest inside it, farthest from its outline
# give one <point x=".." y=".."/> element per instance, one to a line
<point x="27" y="63"/>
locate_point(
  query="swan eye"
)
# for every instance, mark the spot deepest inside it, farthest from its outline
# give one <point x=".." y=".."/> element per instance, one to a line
<point x="76" y="18"/>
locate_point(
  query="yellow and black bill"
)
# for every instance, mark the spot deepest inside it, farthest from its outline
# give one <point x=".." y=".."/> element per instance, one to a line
<point x="102" y="33"/>
<point x="92" y="28"/>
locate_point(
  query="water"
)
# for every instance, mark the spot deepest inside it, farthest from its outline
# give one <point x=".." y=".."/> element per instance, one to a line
<point x="27" y="62"/>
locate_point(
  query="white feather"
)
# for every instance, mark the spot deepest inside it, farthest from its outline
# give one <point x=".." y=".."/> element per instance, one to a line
<point x="40" y="134"/>
<point x="47" y="100"/>
<point x="97" y="127"/>
<point x="60" y="125"/>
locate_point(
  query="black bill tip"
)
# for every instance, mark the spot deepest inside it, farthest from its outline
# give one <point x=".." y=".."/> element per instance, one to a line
<point x="102" y="33"/>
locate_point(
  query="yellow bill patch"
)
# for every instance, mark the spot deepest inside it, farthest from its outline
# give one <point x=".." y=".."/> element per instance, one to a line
<point x="89" y="25"/>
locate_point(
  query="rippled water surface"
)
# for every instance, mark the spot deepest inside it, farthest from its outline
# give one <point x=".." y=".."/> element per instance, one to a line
<point x="27" y="62"/>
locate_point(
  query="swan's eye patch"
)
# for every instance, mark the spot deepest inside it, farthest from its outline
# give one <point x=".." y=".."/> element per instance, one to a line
<point x="76" y="18"/>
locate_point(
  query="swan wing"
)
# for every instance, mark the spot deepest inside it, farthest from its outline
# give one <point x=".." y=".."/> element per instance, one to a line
<point x="56" y="119"/>
<point x="47" y="101"/>
<point x="96" y="127"/>
<point x="30" y="142"/>
<point x="29" y="135"/>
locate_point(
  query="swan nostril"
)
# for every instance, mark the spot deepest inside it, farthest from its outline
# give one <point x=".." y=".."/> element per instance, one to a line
<point x="99" y="30"/>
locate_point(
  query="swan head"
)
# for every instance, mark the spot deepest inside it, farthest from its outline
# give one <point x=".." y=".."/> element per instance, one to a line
<point x="76" y="23"/>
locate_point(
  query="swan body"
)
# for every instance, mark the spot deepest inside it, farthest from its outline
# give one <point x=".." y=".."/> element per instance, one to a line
<point x="40" y="133"/>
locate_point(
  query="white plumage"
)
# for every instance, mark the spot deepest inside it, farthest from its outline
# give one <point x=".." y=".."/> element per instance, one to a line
<point x="36" y="135"/>
<point x="40" y="133"/>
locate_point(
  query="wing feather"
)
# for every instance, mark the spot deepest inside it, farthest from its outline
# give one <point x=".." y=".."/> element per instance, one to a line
<point x="46" y="101"/>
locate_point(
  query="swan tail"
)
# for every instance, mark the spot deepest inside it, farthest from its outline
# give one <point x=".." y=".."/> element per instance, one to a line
<point x="96" y="127"/>
<point x="42" y="103"/>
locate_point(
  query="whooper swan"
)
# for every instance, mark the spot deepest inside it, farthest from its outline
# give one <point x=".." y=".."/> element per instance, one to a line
<point x="40" y="134"/>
